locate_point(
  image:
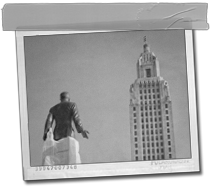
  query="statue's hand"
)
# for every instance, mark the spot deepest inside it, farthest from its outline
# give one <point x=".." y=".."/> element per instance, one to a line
<point x="85" y="134"/>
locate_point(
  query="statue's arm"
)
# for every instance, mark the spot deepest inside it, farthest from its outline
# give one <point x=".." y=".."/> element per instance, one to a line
<point x="48" y="125"/>
<point x="77" y="121"/>
<point x="76" y="118"/>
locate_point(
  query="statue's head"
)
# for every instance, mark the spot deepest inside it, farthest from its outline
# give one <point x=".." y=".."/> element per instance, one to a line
<point x="64" y="96"/>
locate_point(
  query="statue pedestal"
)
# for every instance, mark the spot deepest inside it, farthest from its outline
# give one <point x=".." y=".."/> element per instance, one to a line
<point x="62" y="152"/>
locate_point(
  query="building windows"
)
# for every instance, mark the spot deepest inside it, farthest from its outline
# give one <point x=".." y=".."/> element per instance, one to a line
<point x="136" y="145"/>
<point x="134" y="109"/>
<point x="166" y="105"/>
<point x="159" y="113"/>
<point x="136" y="139"/>
<point x="151" y="119"/>
<point x="170" y="156"/>
<point x="134" y="114"/>
<point x="159" y="118"/>
<point x="151" y="126"/>
<point x="142" y="114"/>
<point x="140" y="97"/>
<point x="148" y="145"/>
<point x="161" y="137"/>
<point x="158" y="90"/>
<point x="161" y="143"/>
<point x="142" y="108"/>
<point x="135" y="132"/>
<point x="157" y="150"/>
<point x="153" y="157"/>
<point x="153" y="90"/>
<point x="169" y="143"/>
<point x="144" y="158"/>
<point x="162" y="156"/>
<point x="157" y="144"/>
<point x="153" y="96"/>
<point x="136" y="152"/>
<point x="144" y="91"/>
<point x="156" y="137"/>
<point x="135" y="127"/>
<point x="146" y="126"/>
<point x="168" y="124"/>
<point x="158" y="96"/>
<point x="148" y="72"/>
<point x="147" y="132"/>
<point x="168" y="130"/>
<point x="136" y="158"/>
<point x="160" y="125"/>
<point x="169" y="149"/>
<point x="143" y="138"/>
<point x="152" y="144"/>
<point x="150" y="113"/>
<point x="167" y="117"/>
<point x="167" y="112"/>
<point x="142" y="126"/>
<point x="134" y="120"/>
<point x="168" y="136"/>
<point x="142" y="120"/>
<point x="161" y="131"/>
<point x="155" y="125"/>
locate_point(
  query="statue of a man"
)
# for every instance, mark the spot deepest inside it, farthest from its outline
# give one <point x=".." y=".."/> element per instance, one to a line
<point x="64" y="113"/>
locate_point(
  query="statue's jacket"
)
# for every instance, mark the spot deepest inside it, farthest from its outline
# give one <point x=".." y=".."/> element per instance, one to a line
<point x="65" y="115"/>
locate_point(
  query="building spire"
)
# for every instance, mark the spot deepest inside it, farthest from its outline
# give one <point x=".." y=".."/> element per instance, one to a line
<point x="146" y="46"/>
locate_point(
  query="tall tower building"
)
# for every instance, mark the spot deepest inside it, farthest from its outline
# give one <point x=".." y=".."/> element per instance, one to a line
<point x="151" y="121"/>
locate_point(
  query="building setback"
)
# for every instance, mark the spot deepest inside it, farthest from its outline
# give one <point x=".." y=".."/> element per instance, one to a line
<point x="151" y="120"/>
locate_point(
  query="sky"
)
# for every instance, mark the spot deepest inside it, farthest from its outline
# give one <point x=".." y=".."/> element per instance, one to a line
<point x="97" y="70"/>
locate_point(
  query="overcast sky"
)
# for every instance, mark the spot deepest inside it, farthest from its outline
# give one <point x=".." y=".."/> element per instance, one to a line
<point x="97" y="69"/>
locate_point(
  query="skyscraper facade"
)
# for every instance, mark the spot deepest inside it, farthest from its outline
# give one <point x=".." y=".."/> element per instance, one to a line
<point x="151" y="120"/>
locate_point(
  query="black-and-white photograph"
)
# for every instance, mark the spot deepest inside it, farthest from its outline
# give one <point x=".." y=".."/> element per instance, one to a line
<point x="107" y="97"/>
